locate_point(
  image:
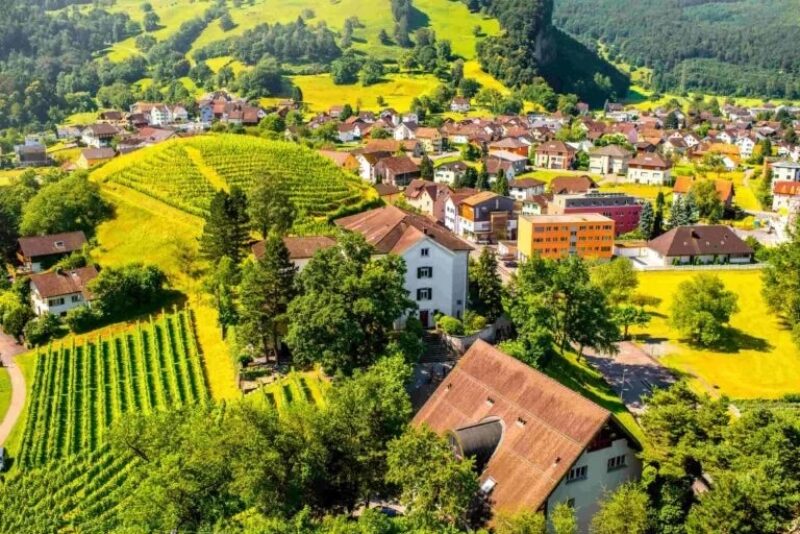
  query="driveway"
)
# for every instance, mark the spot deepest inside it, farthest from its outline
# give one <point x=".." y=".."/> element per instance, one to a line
<point x="8" y="349"/>
<point x="632" y="373"/>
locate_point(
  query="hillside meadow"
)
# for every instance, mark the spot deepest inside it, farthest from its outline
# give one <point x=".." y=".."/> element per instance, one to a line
<point x="759" y="359"/>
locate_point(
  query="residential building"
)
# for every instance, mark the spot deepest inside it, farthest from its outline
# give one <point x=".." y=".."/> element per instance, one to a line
<point x="698" y="245"/>
<point x="487" y="217"/>
<point x="436" y="260"/>
<point x="460" y="105"/>
<point x="451" y="202"/>
<point x="561" y="185"/>
<point x="623" y="209"/>
<point x="343" y="160"/>
<point x="650" y="169"/>
<point x="388" y="193"/>
<point x="535" y="443"/>
<point x="494" y="166"/>
<point x="430" y="139"/>
<point x="396" y="170"/>
<point x="38" y="253"/>
<point x="725" y="190"/>
<point x="786" y="196"/>
<point x="301" y="249"/>
<point x="367" y="161"/>
<point x="94" y="156"/>
<point x="57" y="292"/>
<point x="99" y="135"/>
<point x="785" y="171"/>
<point x="554" y="155"/>
<point x="449" y="173"/>
<point x="587" y="235"/>
<point x="525" y="188"/>
<point x="512" y="145"/>
<point x="422" y="194"/>
<point x="515" y="160"/>
<point x="32" y="155"/>
<point x="610" y="159"/>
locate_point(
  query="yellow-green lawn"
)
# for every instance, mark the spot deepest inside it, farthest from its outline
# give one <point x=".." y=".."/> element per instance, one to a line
<point x="27" y="364"/>
<point x="398" y="90"/>
<point x="765" y="363"/>
<point x="7" y="175"/>
<point x="5" y="392"/>
<point x="144" y="229"/>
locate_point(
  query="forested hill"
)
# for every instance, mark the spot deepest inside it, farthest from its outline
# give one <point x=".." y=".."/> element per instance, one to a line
<point x="530" y="46"/>
<point x="731" y="47"/>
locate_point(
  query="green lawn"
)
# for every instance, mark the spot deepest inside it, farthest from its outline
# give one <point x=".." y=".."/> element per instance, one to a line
<point x="5" y="392"/>
<point x="27" y="364"/>
<point x="761" y="362"/>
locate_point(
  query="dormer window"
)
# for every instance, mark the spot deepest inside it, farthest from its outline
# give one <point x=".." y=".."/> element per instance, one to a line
<point x="59" y="244"/>
<point x="488" y="485"/>
<point x="490" y="401"/>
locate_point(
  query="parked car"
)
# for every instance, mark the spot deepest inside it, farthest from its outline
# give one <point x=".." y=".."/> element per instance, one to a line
<point x="2" y="459"/>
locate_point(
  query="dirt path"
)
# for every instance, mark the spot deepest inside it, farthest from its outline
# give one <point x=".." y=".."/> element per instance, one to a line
<point x="8" y="349"/>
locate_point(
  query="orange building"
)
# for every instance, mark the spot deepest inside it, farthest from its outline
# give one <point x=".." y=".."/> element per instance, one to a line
<point x="587" y="235"/>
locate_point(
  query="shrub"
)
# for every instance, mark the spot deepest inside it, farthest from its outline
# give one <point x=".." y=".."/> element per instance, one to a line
<point x="450" y="325"/>
<point x="121" y="289"/>
<point x="41" y="330"/>
<point x="473" y="322"/>
<point x="82" y="319"/>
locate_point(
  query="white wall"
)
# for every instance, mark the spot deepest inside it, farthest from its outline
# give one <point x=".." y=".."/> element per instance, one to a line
<point x="645" y="176"/>
<point x="42" y="306"/>
<point x="599" y="480"/>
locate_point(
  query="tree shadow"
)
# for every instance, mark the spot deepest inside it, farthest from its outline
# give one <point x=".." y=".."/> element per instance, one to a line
<point x="734" y="342"/>
<point x="418" y="19"/>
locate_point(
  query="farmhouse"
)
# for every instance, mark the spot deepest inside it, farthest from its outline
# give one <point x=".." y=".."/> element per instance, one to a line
<point x="650" y="169"/>
<point x="554" y="155"/>
<point x="32" y="155"/>
<point x="396" y="170"/>
<point x="40" y="252"/>
<point x="94" y="156"/>
<point x="610" y="159"/>
<point x="698" y="245"/>
<point x="98" y="135"/>
<point x="301" y="249"/>
<point x="460" y="105"/>
<point x="436" y="260"/>
<point x="535" y="442"/>
<point x="57" y="292"/>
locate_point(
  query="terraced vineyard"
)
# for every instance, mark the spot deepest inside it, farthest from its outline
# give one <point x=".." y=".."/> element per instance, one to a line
<point x="80" y="390"/>
<point x="78" y="494"/>
<point x="185" y="173"/>
<point x="293" y="389"/>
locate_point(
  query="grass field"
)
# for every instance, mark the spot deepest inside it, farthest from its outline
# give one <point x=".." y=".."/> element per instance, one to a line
<point x="5" y="392"/>
<point x="762" y="361"/>
<point x="7" y="175"/>
<point x="27" y="364"/>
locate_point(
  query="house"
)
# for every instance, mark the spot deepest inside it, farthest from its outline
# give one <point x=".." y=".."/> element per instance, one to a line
<point x="512" y="145"/>
<point x="535" y="442"/>
<point x="117" y="118"/>
<point x="430" y="139"/>
<point x="57" y="292"/>
<point x="725" y="190"/>
<point x="388" y="193"/>
<point x="786" y="196"/>
<point x="396" y="170"/>
<point x="436" y="260"/>
<point x="422" y="194"/>
<point x="609" y="159"/>
<point x="785" y="171"/>
<point x="588" y="235"/>
<point x="99" y="135"/>
<point x="536" y="205"/>
<point x="650" y="169"/>
<point x="571" y="184"/>
<point x="38" y="253"/>
<point x="554" y="155"/>
<point x="448" y="204"/>
<point x="487" y="217"/>
<point x="698" y="245"/>
<point x="367" y="162"/>
<point x="525" y="188"/>
<point x="405" y="131"/>
<point x="94" y="156"/>
<point x="623" y="209"/>
<point x="460" y="105"/>
<point x="519" y="163"/>
<point x="301" y="249"/>
<point x="32" y="155"/>
<point x="69" y="132"/>
<point x="746" y="146"/>
<point x="495" y="165"/>
<point x="343" y="160"/>
<point x="449" y="173"/>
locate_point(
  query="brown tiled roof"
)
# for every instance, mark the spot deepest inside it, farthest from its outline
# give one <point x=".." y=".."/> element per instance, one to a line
<point x="399" y="165"/>
<point x="614" y="151"/>
<point x="649" y="160"/>
<point x="427" y="133"/>
<point x="547" y="426"/>
<point x="103" y="129"/>
<point x="783" y="187"/>
<point x="699" y="241"/>
<point x="392" y="230"/>
<point x="683" y="184"/>
<point x="47" y="245"/>
<point x="300" y="248"/>
<point x="339" y="158"/>
<point x="98" y="153"/>
<point x="571" y="184"/>
<point x="59" y="283"/>
<point x="525" y="183"/>
<point x="385" y="189"/>
<point x="479" y="198"/>
<point x="555" y="147"/>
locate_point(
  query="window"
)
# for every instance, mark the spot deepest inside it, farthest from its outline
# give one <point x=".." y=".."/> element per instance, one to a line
<point x="425" y="252"/>
<point x="424" y="293"/>
<point x="571" y="503"/>
<point x="76" y="298"/>
<point x="424" y="272"/>
<point x="577" y="473"/>
<point x="617" y="462"/>
<point x="488" y="485"/>
<point x="55" y="302"/>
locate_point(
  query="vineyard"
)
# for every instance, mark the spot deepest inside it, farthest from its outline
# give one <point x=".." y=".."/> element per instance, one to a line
<point x="293" y="389"/>
<point x="185" y="173"/>
<point x="80" y="390"/>
<point x="82" y="492"/>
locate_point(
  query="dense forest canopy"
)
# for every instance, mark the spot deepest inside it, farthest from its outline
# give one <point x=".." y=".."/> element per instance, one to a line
<point x="734" y="47"/>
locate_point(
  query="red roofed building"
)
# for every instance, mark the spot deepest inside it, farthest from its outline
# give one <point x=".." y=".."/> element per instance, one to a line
<point x="57" y="292"/>
<point x="786" y="196"/>
<point x="535" y="442"/>
<point x="554" y="155"/>
<point x="725" y="190"/>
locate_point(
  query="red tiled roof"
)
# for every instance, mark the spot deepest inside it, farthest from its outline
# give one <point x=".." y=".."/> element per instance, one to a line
<point x="300" y="248"/>
<point x="47" y="245"/>
<point x="59" y="283"/>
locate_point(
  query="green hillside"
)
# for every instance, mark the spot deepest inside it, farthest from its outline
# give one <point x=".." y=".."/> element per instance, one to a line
<point x="185" y="173"/>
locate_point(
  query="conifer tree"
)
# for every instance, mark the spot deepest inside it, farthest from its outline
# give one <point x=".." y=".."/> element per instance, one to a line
<point x="500" y="185"/>
<point x="226" y="229"/>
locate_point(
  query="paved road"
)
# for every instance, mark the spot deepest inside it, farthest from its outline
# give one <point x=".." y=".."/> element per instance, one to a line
<point x="8" y="349"/>
<point x="632" y="373"/>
